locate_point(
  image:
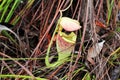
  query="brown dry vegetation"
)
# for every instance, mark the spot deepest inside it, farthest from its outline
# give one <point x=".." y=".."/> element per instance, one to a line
<point x="35" y="29"/>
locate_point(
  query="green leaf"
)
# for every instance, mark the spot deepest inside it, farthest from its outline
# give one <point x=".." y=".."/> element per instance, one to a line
<point x="86" y="77"/>
<point x="14" y="6"/>
<point x="71" y="38"/>
<point x="118" y="29"/>
<point x="19" y="76"/>
<point x="110" y="7"/>
<point x="5" y="9"/>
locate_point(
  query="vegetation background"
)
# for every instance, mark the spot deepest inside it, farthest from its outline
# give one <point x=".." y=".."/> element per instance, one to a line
<point x="34" y="21"/>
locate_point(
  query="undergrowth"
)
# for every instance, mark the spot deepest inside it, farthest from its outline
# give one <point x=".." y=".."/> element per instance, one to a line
<point x="36" y="23"/>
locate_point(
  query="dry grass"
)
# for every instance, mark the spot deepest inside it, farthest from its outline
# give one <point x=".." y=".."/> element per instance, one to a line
<point x="35" y="29"/>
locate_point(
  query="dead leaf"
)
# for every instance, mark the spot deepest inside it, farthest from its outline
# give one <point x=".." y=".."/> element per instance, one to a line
<point x="2" y="27"/>
<point x="100" y="24"/>
<point x="94" y="51"/>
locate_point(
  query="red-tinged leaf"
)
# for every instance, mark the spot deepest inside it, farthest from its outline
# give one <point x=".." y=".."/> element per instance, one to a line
<point x="65" y="44"/>
<point x="100" y="24"/>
